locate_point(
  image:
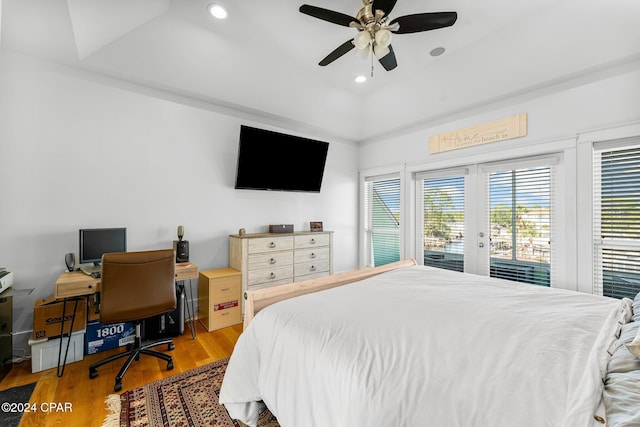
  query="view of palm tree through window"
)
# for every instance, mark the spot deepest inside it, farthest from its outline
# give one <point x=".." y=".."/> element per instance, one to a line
<point x="520" y="225"/>
<point x="519" y="221"/>
<point x="443" y="219"/>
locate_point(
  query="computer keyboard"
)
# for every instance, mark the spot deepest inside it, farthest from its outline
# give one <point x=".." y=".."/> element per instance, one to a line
<point x="93" y="270"/>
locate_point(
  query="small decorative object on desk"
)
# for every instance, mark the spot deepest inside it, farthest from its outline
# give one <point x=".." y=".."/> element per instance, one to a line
<point x="241" y="232"/>
<point x="315" y="226"/>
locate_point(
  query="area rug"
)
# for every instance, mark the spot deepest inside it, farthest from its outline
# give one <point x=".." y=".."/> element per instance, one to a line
<point x="186" y="399"/>
<point x="10" y="417"/>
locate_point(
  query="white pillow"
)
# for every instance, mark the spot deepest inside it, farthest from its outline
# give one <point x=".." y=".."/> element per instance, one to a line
<point x="634" y="346"/>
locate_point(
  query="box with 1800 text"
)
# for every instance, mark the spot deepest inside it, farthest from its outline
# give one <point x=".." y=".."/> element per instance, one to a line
<point x="102" y="337"/>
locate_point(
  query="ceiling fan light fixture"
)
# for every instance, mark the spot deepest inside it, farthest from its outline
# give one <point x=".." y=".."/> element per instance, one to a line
<point x="362" y="40"/>
<point x="363" y="53"/>
<point x="218" y="11"/>
<point x="381" y="51"/>
<point x="383" y="38"/>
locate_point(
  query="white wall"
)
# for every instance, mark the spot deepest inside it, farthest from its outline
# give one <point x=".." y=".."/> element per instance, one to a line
<point x="81" y="151"/>
<point x="558" y="117"/>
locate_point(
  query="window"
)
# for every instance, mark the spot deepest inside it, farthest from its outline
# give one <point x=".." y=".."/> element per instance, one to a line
<point x="616" y="218"/>
<point x="381" y="221"/>
<point x="442" y="214"/>
<point x="520" y="224"/>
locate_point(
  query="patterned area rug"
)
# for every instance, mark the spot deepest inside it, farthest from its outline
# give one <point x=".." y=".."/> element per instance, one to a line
<point x="186" y="399"/>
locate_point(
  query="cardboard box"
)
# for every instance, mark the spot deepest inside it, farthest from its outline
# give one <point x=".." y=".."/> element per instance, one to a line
<point x="44" y="352"/>
<point x="105" y="337"/>
<point x="47" y="317"/>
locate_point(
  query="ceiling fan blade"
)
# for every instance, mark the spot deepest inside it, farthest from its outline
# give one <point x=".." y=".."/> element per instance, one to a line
<point x="328" y="15"/>
<point x="385" y="5"/>
<point x="338" y="52"/>
<point x="389" y="60"/>
<point x="423" y="22"/>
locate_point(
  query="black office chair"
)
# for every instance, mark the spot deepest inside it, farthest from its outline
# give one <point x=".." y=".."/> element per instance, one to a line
<point x="135" y="286"/>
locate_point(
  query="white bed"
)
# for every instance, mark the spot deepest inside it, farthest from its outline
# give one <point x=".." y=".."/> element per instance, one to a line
<point x="419" y="346"/>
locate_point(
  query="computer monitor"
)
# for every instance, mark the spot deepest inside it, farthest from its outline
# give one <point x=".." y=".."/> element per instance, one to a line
<point x="97" y="241"/>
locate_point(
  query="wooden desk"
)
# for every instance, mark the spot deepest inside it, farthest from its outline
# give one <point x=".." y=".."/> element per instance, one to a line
<point x="75" y="283"/>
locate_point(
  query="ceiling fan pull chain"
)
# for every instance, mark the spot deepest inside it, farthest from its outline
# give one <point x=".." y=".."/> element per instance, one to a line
<point x="372" y="55"/>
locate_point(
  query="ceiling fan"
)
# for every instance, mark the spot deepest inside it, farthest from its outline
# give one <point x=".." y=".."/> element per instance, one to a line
<point x="375" y="28"/>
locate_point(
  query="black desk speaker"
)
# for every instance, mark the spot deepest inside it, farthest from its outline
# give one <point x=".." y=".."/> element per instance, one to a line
<point x="182" y="250"/>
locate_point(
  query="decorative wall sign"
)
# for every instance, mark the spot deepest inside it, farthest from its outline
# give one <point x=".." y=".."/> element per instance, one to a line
<point x="494" y="131"/>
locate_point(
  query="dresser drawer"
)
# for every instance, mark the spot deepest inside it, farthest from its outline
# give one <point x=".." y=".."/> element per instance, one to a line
<point x="269" y="260"/>
<point x="226" y="292"/>
<point x="311" y="240"/>
<point x="312" y="254"/>
<point x="255" y="277"/>
<point x="270" y="244"/>
<point x="224" y="317"/>
<point x="305" y="268"/>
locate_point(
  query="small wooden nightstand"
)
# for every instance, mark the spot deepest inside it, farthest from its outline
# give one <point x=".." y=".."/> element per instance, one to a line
<point x="220" y="298"/>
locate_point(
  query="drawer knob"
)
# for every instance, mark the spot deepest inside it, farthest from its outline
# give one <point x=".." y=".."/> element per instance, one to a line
<point x="272" y="261"/>
<point x="313" y="268"/>
<point x="272" y="245"/>
<point x="313" y="241"/>
<point x="312" y="255"/>
<point x="272" y="276"/>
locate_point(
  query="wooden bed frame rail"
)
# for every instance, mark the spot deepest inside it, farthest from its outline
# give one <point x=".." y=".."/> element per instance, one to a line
<point x="261" y="298"/>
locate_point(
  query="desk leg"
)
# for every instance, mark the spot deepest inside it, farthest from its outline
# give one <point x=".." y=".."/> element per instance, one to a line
<point x="73" y="319"/>
<point x="190" y="310"/>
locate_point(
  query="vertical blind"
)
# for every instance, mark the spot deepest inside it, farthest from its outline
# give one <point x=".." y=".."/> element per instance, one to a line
<point x="443" y="222"/>
<point x="381" y="221"/>
<point x="616" y="220"/>
<point x="520" y="224"/>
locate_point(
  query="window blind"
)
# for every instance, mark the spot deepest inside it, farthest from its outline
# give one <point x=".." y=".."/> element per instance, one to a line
<point x="443" y="222"/>
<point x="616" y="220"/>
<point x="520" y="224"/>
<point x="382" y="221"/>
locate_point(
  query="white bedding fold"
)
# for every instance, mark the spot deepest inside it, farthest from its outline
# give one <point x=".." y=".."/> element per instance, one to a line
<point x="425" y="347"/>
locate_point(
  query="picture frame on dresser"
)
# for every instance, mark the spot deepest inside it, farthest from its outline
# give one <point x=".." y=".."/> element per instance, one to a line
<point x="315" y="226"/>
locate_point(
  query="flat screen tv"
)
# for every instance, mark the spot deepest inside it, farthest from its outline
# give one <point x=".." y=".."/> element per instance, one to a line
<point x="97" y="241"/>
<point x="275" y="161"/>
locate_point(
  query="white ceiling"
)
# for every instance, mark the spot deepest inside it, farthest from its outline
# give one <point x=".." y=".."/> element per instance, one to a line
<point x="263" y="58"/>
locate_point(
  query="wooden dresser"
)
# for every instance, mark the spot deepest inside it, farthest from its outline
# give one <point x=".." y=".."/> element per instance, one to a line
<point x="269" y="259"/>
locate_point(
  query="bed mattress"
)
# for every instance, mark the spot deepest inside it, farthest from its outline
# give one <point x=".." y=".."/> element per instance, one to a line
<point x="420" y="346"/>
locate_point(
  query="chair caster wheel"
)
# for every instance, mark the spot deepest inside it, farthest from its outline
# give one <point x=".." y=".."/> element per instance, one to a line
<point x="169" y="366"/>
<point x="93" y="373"/>
<point x="170" y="346"/>
<point x="117" y="387"/>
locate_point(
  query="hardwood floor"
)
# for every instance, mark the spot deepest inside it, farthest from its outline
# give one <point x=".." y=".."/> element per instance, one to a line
<point x="85" y="397"/>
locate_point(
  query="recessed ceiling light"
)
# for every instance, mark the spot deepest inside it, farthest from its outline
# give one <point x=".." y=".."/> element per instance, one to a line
<point x="437" y="51"/>
<point x="217" y="11"/>
<point x="360" y="78"/>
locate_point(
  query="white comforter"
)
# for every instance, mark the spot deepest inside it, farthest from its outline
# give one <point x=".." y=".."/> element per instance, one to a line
<point x="425" y="347"/>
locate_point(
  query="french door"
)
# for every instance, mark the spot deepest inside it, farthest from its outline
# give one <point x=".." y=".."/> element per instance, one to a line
<point x="492" y="219"/>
